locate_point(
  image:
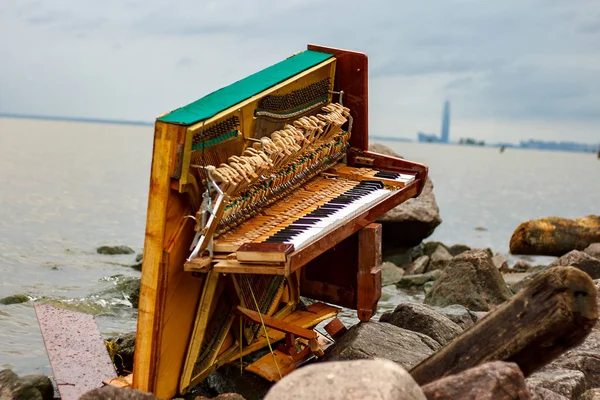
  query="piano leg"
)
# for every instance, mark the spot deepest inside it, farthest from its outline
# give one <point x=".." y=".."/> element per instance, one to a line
<point x="369" y="271"/>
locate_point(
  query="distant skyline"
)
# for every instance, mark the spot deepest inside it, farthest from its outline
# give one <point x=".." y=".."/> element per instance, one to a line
<point x="513" y="70"/>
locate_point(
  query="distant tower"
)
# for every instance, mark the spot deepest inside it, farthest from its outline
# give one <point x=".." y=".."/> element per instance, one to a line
<point x="446" y="123"/>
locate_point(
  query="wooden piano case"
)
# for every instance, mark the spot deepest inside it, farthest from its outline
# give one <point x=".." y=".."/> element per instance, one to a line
<point x="193" y="314"/>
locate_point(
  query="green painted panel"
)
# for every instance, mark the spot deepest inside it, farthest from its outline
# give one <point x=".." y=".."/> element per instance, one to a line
<point x="228" y="96"/>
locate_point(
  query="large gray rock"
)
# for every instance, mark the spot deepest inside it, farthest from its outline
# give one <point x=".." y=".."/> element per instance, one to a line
<point x="471" y="280"/>
<point x="458" y="314"/>
<point x="490" y="381"/>
<point x="439" y="259"/>
<point x="574" y="258"/>
<point x="430" y="247"/>
<point x="112" y="250"/>
<point x="593" y="250"/>
<point x="343" y="380"/>
<point x="227" y="379"/>
<point x="412" y="221"/>
<point x="381" y="149"/>
<point x="592" y="394"/>
<point x="123" y="348"/>
<point x="419" y="266"/>
<point x="15" y="299"/>
<point x="114" y="393"/>
<point x="501" y="263"/>
<point x="578" y="259"/>
<point x="390" y="273"/>
<point x="567" y="383"/>
<point x="408" y="281"/>
<point x="423" y="319"/>
<point x="584" y="359"/>
<point x="457" y="249"/>
<point x="31" y="387"/>
<point x="369" y="340"/>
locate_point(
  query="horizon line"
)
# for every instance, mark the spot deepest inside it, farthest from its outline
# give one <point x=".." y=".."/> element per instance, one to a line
<point x="75" y="119"/>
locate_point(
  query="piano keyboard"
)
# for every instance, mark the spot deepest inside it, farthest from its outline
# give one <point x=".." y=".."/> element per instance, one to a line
<point x="404" y="178"/>
<point x="330" y="215"/>
<point x="321" y="206"/>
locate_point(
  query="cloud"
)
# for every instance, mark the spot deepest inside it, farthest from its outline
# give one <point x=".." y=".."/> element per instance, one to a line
<point x="530" y="60"/>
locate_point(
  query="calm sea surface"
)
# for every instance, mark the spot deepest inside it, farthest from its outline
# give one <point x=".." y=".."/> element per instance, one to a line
<point x="67" y="188"/>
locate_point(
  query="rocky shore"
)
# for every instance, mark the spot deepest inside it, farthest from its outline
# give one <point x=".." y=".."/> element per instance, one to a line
<point x="458" y="286"/>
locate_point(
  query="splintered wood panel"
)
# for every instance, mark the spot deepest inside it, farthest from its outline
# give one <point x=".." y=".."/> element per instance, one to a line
<point x="75" y="349"/>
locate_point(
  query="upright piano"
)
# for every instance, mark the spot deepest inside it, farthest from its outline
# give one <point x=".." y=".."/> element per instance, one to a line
<point x="260" y="193"/>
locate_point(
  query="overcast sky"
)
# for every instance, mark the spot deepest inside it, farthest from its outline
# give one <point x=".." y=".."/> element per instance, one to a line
<point x="512" y="69"/>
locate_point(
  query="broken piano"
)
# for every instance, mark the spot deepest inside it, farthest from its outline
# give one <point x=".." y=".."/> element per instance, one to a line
<point x="260" y="193"/>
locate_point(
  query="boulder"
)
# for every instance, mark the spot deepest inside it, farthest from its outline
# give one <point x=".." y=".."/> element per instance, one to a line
<point x="593" y="250"/>
<point x="592" y="394"/>
<point x="369" y="340"/>
<point x="458" y="314"/>
<point x="408" y="281"/>
<point x="14" y="299"/>
<point x="555" y="236"/>
<point x="390" y="273"/>
<point x="114" y="393"/>
<point x="224" y="396"/>
<point x="112" y="250"/>
<point x="420" y="318"/>
<point x="471" y="280"/>
<point x="430" y="247"/>
<point x="121" y="350"/>
<point x="584" y="359"/>
<point x="578" y="259"/>
<point x="412" y="221"/>
<point x="416" y="252"/>
<point x="569" y="384"/>
<point x="227" y="379"/>
<point x="418" y="266"/>
<point x="490" y="381"/>
<point x="399" y="256"/>
<point x="363" y="379"/>
<point x="457" y="249"/>
<point x="575" y="258"/>
<point x="501" y="263"/>
<point x="31" y="387"/>
<point x="521" y="266"/>
<point x="439" y="259"/>
<point x="381" y="149"/>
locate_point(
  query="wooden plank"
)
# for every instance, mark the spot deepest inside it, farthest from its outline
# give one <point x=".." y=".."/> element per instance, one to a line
<point x="352" y="76"/>
<point x="264" y="252"/>
<point x="182" y="294"/>
<point x="144" y="356"/>
<point x="307" y="318"/>
<point x="555" y="312"/>
<point x="75" y="349"/>
<point x="234" y="267"/>
<point x="369" y="271"/>
<point x="205" y="308"/>
<point x="275" y="323"/>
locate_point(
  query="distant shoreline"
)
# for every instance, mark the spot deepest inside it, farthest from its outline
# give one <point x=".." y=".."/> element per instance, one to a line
<point x="76" y="119"/>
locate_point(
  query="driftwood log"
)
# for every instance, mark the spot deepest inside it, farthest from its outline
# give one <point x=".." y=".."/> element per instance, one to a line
<point x="555" y="236"/>
<point x="555" y="312"/>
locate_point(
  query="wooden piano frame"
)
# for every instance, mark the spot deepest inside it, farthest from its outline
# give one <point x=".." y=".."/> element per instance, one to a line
<point x="347" y="257"/>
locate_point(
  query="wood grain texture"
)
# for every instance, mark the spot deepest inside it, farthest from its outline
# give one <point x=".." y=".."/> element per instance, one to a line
<point x="153" y="259"/>
<point x="352" y="76"/>
<point x="555" y="312"/>
<point x="369" y="271"/>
